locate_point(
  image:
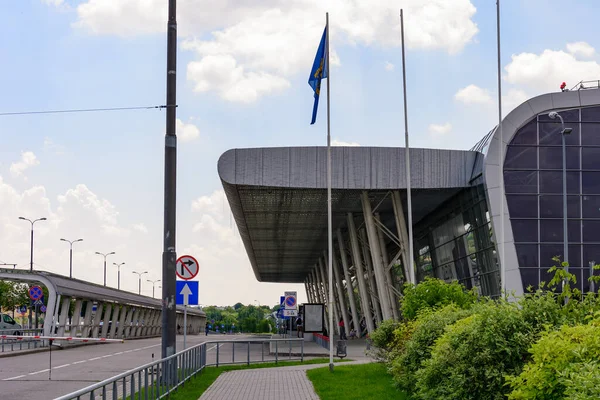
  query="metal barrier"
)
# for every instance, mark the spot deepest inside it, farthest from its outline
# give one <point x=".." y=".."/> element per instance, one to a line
<point x="321" y="340"/>
<point x="157" y="379"/>
<point x="7" y="345"/>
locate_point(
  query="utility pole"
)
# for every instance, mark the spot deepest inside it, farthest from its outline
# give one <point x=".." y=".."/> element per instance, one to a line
<point x="169" y="258"/>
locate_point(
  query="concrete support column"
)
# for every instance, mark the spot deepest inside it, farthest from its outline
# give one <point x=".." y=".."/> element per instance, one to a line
<point x="87" y="319"/>
<point x="115" y="320"/>
<point x="402" y="235"/>
<point x="317" y="281"/>
<point x="107" y="320"/>
<point x="64" y="315"/>
<point x="119" y="333"/>
<point x="307" y="291"/>
<point x="134" y="318"/>
<point x="154" y="317"/>
<point x="335" y="305"/>
<point x="385" y="270"/>
<point x="376" y="256"/>
<point x="373" y="295"/>
<point x="74" y="328"/>
<point x="328" y="307"/>
<point x="97" y="319"/>
<point x="138" y="327"/>
<point x="348" y="280"/>
<point x="340" y="293"/>
<point x="360" y="274"/>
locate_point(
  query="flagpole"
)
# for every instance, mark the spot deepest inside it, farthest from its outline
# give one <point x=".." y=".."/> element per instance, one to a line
<point x="411" y="270"/>
<point x="329" y="229"/>
<point x="500" y="161"/>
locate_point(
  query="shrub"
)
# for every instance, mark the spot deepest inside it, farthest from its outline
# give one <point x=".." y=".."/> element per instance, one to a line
<point x="383" y="338"/>
<point x="432" y="293"/>
<point x="414" y="348"/>
<point x="470" y="360"/>
<point x="565" y="364"/>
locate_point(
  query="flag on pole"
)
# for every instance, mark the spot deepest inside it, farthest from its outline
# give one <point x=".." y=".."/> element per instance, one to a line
<point x="319" y="71"/>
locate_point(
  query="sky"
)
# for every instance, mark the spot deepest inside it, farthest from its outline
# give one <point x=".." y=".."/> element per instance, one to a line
<point x="242" y="74"/>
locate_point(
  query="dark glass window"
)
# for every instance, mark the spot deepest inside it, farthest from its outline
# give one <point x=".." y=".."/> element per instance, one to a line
<point x="525" y="230"/>
<point x="578" y="277"/>
<point x="550" y="128"/>
<point x="551" y="182"/>
<point x="591" y="231"/>
<point x="551" y="230"/>
<point x="591" y="158"/>
<point x="520" y="181"/>
<point x="521" y="157"/>
<point x="551" y="206"/>
<point x="530" y="277"/>
<point x="527" y="134"/>
<point x="591" y="131"/>
<point x="522" y="206"/>
<point x="574" y="230"/>
<point x="591" y="206"/>
<point x="591" y="182"/>
<point x="548" y="251"/>
<point x="591" y="252"/>
<point x="527" y="255"/>
<point x="551" y="158"/>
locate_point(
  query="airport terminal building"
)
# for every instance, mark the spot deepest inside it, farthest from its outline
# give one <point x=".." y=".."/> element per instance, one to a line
<point x="278" y="197"/>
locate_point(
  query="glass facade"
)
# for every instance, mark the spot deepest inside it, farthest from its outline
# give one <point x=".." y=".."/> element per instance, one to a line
<point x="533" y="182"/>
<point x="454" y="243"/>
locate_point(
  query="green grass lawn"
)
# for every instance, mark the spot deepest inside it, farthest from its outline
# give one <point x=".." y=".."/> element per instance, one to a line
<point x="194" y="388"/>
<point x="362" y="381"/>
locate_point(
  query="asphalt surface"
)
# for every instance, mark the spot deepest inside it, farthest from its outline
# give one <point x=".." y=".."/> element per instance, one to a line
<point x="27" y="376"/>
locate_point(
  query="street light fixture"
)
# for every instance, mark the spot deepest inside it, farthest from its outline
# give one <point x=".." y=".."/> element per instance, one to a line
<point x="153" y="282"/>
<point x="119" y="274"/>
<point x="31" y="263"/>
<point x="71" y="254"/>
<point x="564" y="131"/>
<point x="105" y="255"/>
<point x="140" y="280"/>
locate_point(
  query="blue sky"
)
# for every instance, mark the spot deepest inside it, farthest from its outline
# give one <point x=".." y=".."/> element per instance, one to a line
<point x="242" y="82"/>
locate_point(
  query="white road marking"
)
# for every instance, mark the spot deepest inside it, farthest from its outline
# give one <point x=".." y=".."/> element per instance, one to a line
<point x="14" y="377"/>
<point x="39" y="372"/>
<point x="79" y="362"/>
<point x="95" y="358"/>
<point x="61" y="366"/>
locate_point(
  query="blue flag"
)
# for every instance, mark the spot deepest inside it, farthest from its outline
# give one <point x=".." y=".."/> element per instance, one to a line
<point x="319" y="71"/>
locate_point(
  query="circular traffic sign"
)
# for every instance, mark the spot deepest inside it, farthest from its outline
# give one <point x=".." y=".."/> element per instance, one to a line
<point x="290" y="301"/>
<point x="187" y="267"/>
<point x="43" y="309"/>
<point x="35" y="293"/>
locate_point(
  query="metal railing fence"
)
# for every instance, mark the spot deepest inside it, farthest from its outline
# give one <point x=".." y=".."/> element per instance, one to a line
<point x="157" y="379"/>
<point x="7" y="345"/>
<point x="321" y="340"/>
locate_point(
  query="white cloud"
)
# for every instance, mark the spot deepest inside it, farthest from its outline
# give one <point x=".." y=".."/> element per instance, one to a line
<point x="336" y="142"/>
<point x="140" y="228"/>
<point x="389" y="66"/>
<point x="473" y="94"/>
<point x="439" y="129"/>
<point x="28" y="160"/>
<point x="55" y="3"/>
<point x="186" y="132"/>
<point x="512" y="99"/>
<point x="50" y="146"/>
<point x="544" y="72"/>
<point x="582" y="49"/>
<point x="246" y="49"/>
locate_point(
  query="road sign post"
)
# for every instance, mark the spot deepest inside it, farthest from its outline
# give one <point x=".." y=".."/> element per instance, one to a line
<point x="187" y="294"/>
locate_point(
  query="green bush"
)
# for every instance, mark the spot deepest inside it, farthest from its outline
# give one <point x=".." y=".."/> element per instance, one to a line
<point x="470" y="360"/>
<point x="564" y="365"/>
<point x="383" y="338"/>
<point x="432" y="293"/>
<point x="414" y="348"/>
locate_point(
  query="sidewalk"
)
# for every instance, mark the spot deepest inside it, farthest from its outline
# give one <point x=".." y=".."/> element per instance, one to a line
<point x="276" y="383"/>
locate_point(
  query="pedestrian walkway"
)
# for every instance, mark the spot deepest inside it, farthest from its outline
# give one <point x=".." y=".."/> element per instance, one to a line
<point x="276" y="383"/>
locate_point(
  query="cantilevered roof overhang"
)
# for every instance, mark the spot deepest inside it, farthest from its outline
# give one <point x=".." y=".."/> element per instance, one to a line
<point x="278" y="196"/>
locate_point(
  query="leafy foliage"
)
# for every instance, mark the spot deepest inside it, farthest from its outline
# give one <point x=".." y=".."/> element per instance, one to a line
<point x="240" y="317"/>
<point x="432" y="293"/>
<point x="383" y="337"/>
<point x="565" y="365"/>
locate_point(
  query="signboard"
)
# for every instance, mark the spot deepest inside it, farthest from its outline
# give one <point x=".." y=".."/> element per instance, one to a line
<point x="187" y="293"/>
<point x="187" y="267"/>
<point x="43" y="308"/>
<point x="35" y="293"/>
<point x="290" y="313"/>
<point x="290" y="300"/>
<point x="39" y="302"/>
<point x="314" y="317"/>
<point x="23" y="309"/>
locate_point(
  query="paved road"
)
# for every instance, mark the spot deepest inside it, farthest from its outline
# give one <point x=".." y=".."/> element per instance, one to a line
<point x="26" y="376"/>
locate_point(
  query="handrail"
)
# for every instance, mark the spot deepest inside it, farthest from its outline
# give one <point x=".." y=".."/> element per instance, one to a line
<point x="190" y="361"/>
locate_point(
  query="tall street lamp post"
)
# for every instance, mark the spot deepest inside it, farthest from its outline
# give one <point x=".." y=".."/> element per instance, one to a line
<point x="71" y="254"/>
<point x="153" y="283"/>
<point x="119" y="274"/>
<point x="564" y="131"/>
<point x="31" y="265"/>
<point x="140" y="280"/>
<point x="105" y="255"/>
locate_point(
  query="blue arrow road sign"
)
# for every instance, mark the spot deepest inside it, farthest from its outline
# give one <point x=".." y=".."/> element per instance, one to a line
<point x="23" y="309"/>
<point x="189" y="290"/>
